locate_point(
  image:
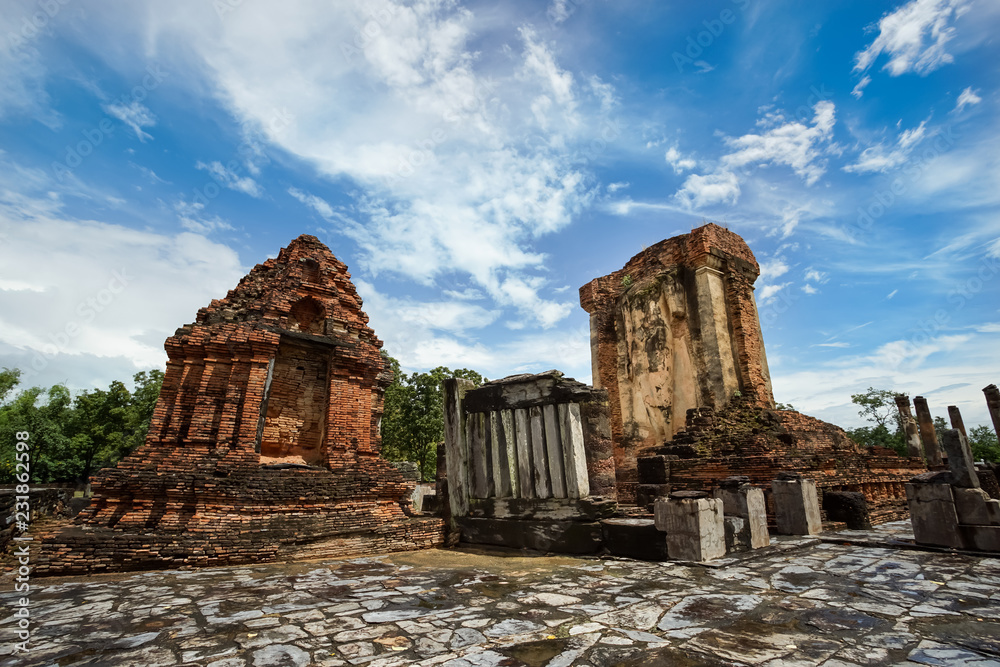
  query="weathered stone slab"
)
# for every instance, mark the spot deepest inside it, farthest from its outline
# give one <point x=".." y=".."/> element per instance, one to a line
<point x="456" y="446"/>
<point x="522" y="443"/>
<point x="540" y="469"/>
<point x="694" y="527"/>
<point x="502" y="478"/>
<point x="634" y="538"/>
<point x="570" y="537"/>
<point x="796" y="507"/>
<point x="479" y="469"/>
<point x="553" y="450"/>
<point x="933" y="515"/>
<point x="574" y="457"/>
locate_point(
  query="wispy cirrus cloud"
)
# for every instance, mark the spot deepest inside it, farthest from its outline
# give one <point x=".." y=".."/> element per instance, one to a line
<point x="913" y="37"/>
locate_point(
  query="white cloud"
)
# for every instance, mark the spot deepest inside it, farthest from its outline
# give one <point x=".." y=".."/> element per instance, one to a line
<point x="108" y="299"/>
<point x="809" y="289"/>
<point x="913" y="37"/>
<point x="815" y="276"/>
<point x="967" y="98"/>
<point x="840" y="344"/>
<point x="540" y="62"/>
<point x="989" y="327"/>
<point x="882" y="159"/>
<point x="773" y="268"/>
<point x="317" y="204"/>
<point x="558" y="11"/>
<point x="134" y="114"/>
<point x="768" y="292"/>
<point x="701" y="191"/>
<point x="858" y="90"/>
<point x="679" y="163"/>
<point x="390" y="100"/>
<point x="444" y="333"/>
<point x="225" y="176"/>
<point x="891" y="294"/>
<point x="615" y="187"/>
<point x="794" y="144"/>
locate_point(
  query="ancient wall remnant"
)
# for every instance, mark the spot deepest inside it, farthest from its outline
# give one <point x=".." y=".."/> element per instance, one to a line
<point x="676" y="328"/>
<point x="265" y="440"/>
<point x="529" y="462"/>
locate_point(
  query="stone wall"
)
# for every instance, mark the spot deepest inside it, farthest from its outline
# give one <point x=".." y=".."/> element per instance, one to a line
<point x="676" y="328"/>
<point x="264" y="440"/>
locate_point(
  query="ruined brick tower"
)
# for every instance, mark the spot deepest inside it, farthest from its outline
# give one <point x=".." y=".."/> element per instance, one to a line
<point x="265" y="439"/>
<point x="673" y="330"/>
<point x="676" y="342"/>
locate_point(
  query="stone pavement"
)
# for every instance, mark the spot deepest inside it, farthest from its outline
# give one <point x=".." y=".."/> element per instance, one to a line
<point x="801" y="601"/>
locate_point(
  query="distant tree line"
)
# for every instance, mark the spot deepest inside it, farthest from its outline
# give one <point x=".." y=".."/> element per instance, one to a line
<point x="878" y="406"/>
<point x="70" y="438"/>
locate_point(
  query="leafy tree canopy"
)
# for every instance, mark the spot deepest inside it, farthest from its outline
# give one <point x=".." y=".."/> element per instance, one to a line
<point x="69" y="439"/>
<point x="413" y="417"/>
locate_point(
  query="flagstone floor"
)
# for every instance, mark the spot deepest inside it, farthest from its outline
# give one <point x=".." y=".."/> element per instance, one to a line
<point x="800" y="602"/>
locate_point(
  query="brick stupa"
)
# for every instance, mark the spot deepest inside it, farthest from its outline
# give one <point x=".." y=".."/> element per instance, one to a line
<point x="265" y="440"/>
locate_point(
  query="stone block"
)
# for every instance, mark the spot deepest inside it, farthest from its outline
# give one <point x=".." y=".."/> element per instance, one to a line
<point x="737" y="535"/>
<point x="796" y="507"/>
<point x="849" y="507"/>
<point x="747" y="502"/>
<point x="933" y="515"/>
<point x="568" y="537"/>
<point x="634" y="538"/>
<point x="695" y="527"/>
<point x="982" y="538"/>
<point x="970" y="506"/>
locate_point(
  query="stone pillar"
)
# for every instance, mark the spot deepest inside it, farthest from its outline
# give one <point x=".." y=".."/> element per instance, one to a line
<point x="746" y="501"/>
<point x="993" y="405"/>
<point x="963" y="470"/>
<point x="927" y="433"/>
<point x="796" y="506"/>
<point x="456" y="445"/>
<point x="956" y="420"/>
<point x="914" y="446"/>
<point x="695" y="527"/>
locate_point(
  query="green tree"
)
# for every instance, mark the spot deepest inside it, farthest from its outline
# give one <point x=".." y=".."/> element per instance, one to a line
<point x="44" y="415"/>
<point x="71" y="438"/>
<point x="983" y="442"/>
<point x="413" y="415"/>
<point x="879" y="406"/>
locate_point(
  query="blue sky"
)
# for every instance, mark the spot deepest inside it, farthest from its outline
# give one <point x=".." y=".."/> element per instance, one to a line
<point x="475" y="163"/>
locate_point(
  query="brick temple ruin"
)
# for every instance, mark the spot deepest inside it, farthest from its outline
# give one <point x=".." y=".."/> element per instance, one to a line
<point x="265" y="440"/>
<point x="677" y="344"/>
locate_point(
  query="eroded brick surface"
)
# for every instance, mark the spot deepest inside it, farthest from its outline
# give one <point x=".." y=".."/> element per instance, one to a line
<point x="283" y="371"/>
